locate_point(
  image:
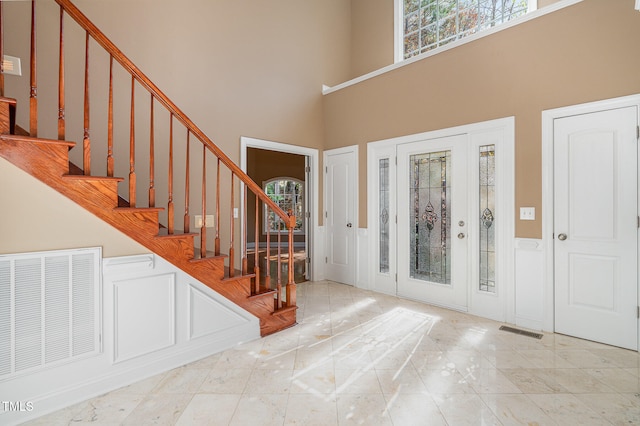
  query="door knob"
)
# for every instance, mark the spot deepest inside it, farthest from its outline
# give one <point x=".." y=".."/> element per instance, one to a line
<point x="349" y="225"/>
<point x="562" y="237"/>
<point x="461" y="235"/>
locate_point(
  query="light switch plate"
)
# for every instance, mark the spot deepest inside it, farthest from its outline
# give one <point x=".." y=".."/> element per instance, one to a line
<point x="11" y="65"/>
<point x="208" y="221"/>
<point x="527" y="213"/>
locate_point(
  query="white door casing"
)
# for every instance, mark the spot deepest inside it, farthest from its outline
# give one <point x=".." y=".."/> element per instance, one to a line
<point x="596" y="226"/>
<point x="548" y="183"/>
<point x="341" y="209"/>
<point x="313" y="240"/>
<point x="499" y="304"/>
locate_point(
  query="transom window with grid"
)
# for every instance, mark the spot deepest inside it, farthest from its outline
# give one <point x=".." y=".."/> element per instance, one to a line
<point x="428" y="24"/>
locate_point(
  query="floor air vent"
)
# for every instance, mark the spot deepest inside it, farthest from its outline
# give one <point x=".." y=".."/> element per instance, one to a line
<point x="521" y="332"/>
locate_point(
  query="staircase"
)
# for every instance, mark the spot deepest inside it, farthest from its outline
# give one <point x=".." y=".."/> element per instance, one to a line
<point x="48" y="160"/>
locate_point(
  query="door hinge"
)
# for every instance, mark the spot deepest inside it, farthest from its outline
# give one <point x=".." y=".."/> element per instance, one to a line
<point x="326" y="260"/>
<point x="396" y="218"/>
<point x="326" y="169"/>
<point x="638" y="221"/>
<point x="396" y="160"/>
<point x="308" y="260"/>
<point x="326" y="214"/>
<point x="307" y="169"/>
<point x="396" y="277"/>
<point x="307" y="215"/>
<point x="638" y="133"/>
<point x="638" y="312"/>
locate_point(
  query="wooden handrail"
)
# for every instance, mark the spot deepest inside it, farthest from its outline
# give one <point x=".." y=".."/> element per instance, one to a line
<point x="143" y="80"/>
<point x="175" y="114"/>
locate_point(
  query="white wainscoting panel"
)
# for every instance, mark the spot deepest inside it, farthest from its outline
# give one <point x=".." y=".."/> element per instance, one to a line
<point x="318" y="254"/>
<point x="209" y="316"/>
<point x="530" y="292"/>
<point x="143" y="331"/>
<point x="154" y="317"/>
<point x="362" y="250"/>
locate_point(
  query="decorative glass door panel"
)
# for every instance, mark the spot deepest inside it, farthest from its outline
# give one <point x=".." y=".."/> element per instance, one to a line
<point x="429" y="224"/>
<point x="432" y="222"/>
<point x="383" y="215"/>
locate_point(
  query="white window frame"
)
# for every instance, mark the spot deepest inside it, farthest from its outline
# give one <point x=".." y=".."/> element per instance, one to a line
<point x="399" y="62"/>
<point x="398" y="29"/>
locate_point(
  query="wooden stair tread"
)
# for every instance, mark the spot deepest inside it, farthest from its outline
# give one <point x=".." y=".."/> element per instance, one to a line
<point x="8" y="100"/>
<point x="264" y="292"/>
<point x="21" y="138"/>
<point x="163" y="232"/>
<point x="209" y="254"/>
<point x="237" y="276"/>
<point x="138" y="209"/>
<point x="284" y="310"/>
<point x="91" y="177"/>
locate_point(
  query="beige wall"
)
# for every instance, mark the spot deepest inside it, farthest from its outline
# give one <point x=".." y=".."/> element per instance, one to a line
<point x="256" y="68"/>
<point x="239" y="67"/>
<point x="35" y="217"/>
<point x="236" y="68"/>
<point x="582" y="53"/>
<point x="371" y="35"/>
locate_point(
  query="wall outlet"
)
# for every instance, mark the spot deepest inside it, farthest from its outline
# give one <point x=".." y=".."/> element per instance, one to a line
<point x="527" y="213"/>
<point x="209" y="221"/>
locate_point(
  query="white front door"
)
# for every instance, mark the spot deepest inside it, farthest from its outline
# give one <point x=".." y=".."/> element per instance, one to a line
<point x="432" y="221"/>
<point x="596" y="226"/>
<point x="340" y="217"/>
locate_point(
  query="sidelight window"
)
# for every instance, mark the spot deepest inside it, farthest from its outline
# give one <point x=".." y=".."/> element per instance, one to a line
<point x="383" y="214"/>
<point x="487" y="209"/>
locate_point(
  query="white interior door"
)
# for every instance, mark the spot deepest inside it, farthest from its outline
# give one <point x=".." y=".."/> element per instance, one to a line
<point x="432" y="221"/>
<point x="340" y="217"/>
<point x="596" y="226"/>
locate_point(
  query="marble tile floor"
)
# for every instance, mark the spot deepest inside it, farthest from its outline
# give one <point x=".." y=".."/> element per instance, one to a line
<point x="363" y="358"/>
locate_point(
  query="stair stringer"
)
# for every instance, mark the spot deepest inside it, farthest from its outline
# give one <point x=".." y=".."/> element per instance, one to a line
<point x="48" y="161"/>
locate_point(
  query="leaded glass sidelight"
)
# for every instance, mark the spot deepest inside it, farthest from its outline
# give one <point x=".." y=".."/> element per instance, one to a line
<point x="383" y="214"/>
<point x="430" y="233"/>
<point x="487" y="216"/>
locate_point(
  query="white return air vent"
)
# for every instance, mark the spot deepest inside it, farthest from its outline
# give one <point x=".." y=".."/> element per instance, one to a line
<point x="49" y="308"/>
